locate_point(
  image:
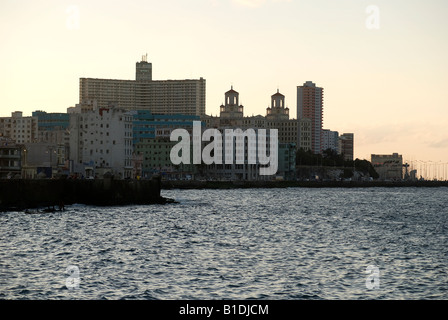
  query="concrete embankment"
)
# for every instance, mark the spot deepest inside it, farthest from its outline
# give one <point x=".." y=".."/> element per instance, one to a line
<point x="192" y="184"/>
<point x="24" y="194"/>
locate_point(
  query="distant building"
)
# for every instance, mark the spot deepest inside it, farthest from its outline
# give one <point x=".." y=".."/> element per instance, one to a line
<point x="143" y="70"/>
<point x="151" y="140"/>
<point x="277" y="110"/>
<point x="277" y="117"/>
<point x="248" y="169"/>
<point x="46" y="157"/>
<point x="346" y="146"/>
<point x="231" y="111"/>
<point x="330" y="140"/>
<point x="10" y="159"/>
<point x="304" y="138"/>
<point x="101" y="142"/>
<point x="18" y="128"/>
<point x="310" y="106"/>
<point x="388" y="166"/>
<point x="286" y="161"/>
<point x="144" y="93"/>
<point x="52" y="127"/>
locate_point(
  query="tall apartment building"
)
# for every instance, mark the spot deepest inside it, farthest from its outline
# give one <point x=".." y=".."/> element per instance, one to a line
<point x="18" y="128"/>
<point x="144" y="93"/>
<point x="310" y="105"/>
<point x="101" y="141"/>
<point x="346" y="146"/>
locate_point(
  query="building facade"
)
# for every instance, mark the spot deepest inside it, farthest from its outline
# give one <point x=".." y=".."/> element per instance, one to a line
<point x="238" y="159"/>
<point x="286" y="161"/>
<point x="159" y="96"/>
<point x="310" y="105"/>
<point x="346" y="146"/>
<point x="330" y="140"/>
<point x="388" y="166"/>
<point x="101" y="141"/>
<point x="277" y="117"/>
<point x="52" y="127"/>
<point x="143" y="70"/>
<point x="10" y="159"/>
<point x="18" y="128"/>
<point x="151" y="140"/>
<point x="44" y="159"/>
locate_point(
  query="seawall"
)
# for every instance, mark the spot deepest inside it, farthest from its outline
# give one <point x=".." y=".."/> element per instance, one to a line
<point x="192" y="184"/>
<point x="23" y="194"/>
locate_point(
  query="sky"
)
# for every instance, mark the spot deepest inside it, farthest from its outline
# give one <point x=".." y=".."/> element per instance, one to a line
<point x="382" y="64"/>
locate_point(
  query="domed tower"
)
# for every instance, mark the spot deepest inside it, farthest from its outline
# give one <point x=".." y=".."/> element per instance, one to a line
<point x="277" y="111"/>
<point x="231" y="107"/>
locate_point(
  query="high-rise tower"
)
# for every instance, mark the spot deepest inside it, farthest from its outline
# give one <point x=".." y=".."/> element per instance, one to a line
<point x="277" y="110"/>
<point x="310" y="106"/>
<point x="143" y="69"/>
<point x="159" y="96"/>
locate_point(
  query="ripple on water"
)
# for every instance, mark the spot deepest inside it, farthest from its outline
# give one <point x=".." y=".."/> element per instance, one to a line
<point x="293" y="243"/>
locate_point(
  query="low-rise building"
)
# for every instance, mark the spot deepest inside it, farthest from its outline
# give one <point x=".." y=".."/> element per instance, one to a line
<point x="10" y="159"/>
<point x="286" y="161"/>
<point x="52" y="127"/>
<point x="388" y="166"/>
<point x="19" y="128"/>
<point x="151" y="139"/>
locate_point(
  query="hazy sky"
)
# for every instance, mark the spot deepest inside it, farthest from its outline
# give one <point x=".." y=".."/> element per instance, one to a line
<point x="382" y="64"/>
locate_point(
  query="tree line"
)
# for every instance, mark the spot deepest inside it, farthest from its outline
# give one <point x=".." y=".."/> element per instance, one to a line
<point x="330" y="158"/>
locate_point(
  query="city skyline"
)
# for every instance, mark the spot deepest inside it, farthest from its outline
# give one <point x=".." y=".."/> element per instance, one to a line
<point x="383" y="79"/>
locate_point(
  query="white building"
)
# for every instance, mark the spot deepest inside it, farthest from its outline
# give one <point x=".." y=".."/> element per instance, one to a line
<point x="101" y="141"/>
<point x="330" y="140"/>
